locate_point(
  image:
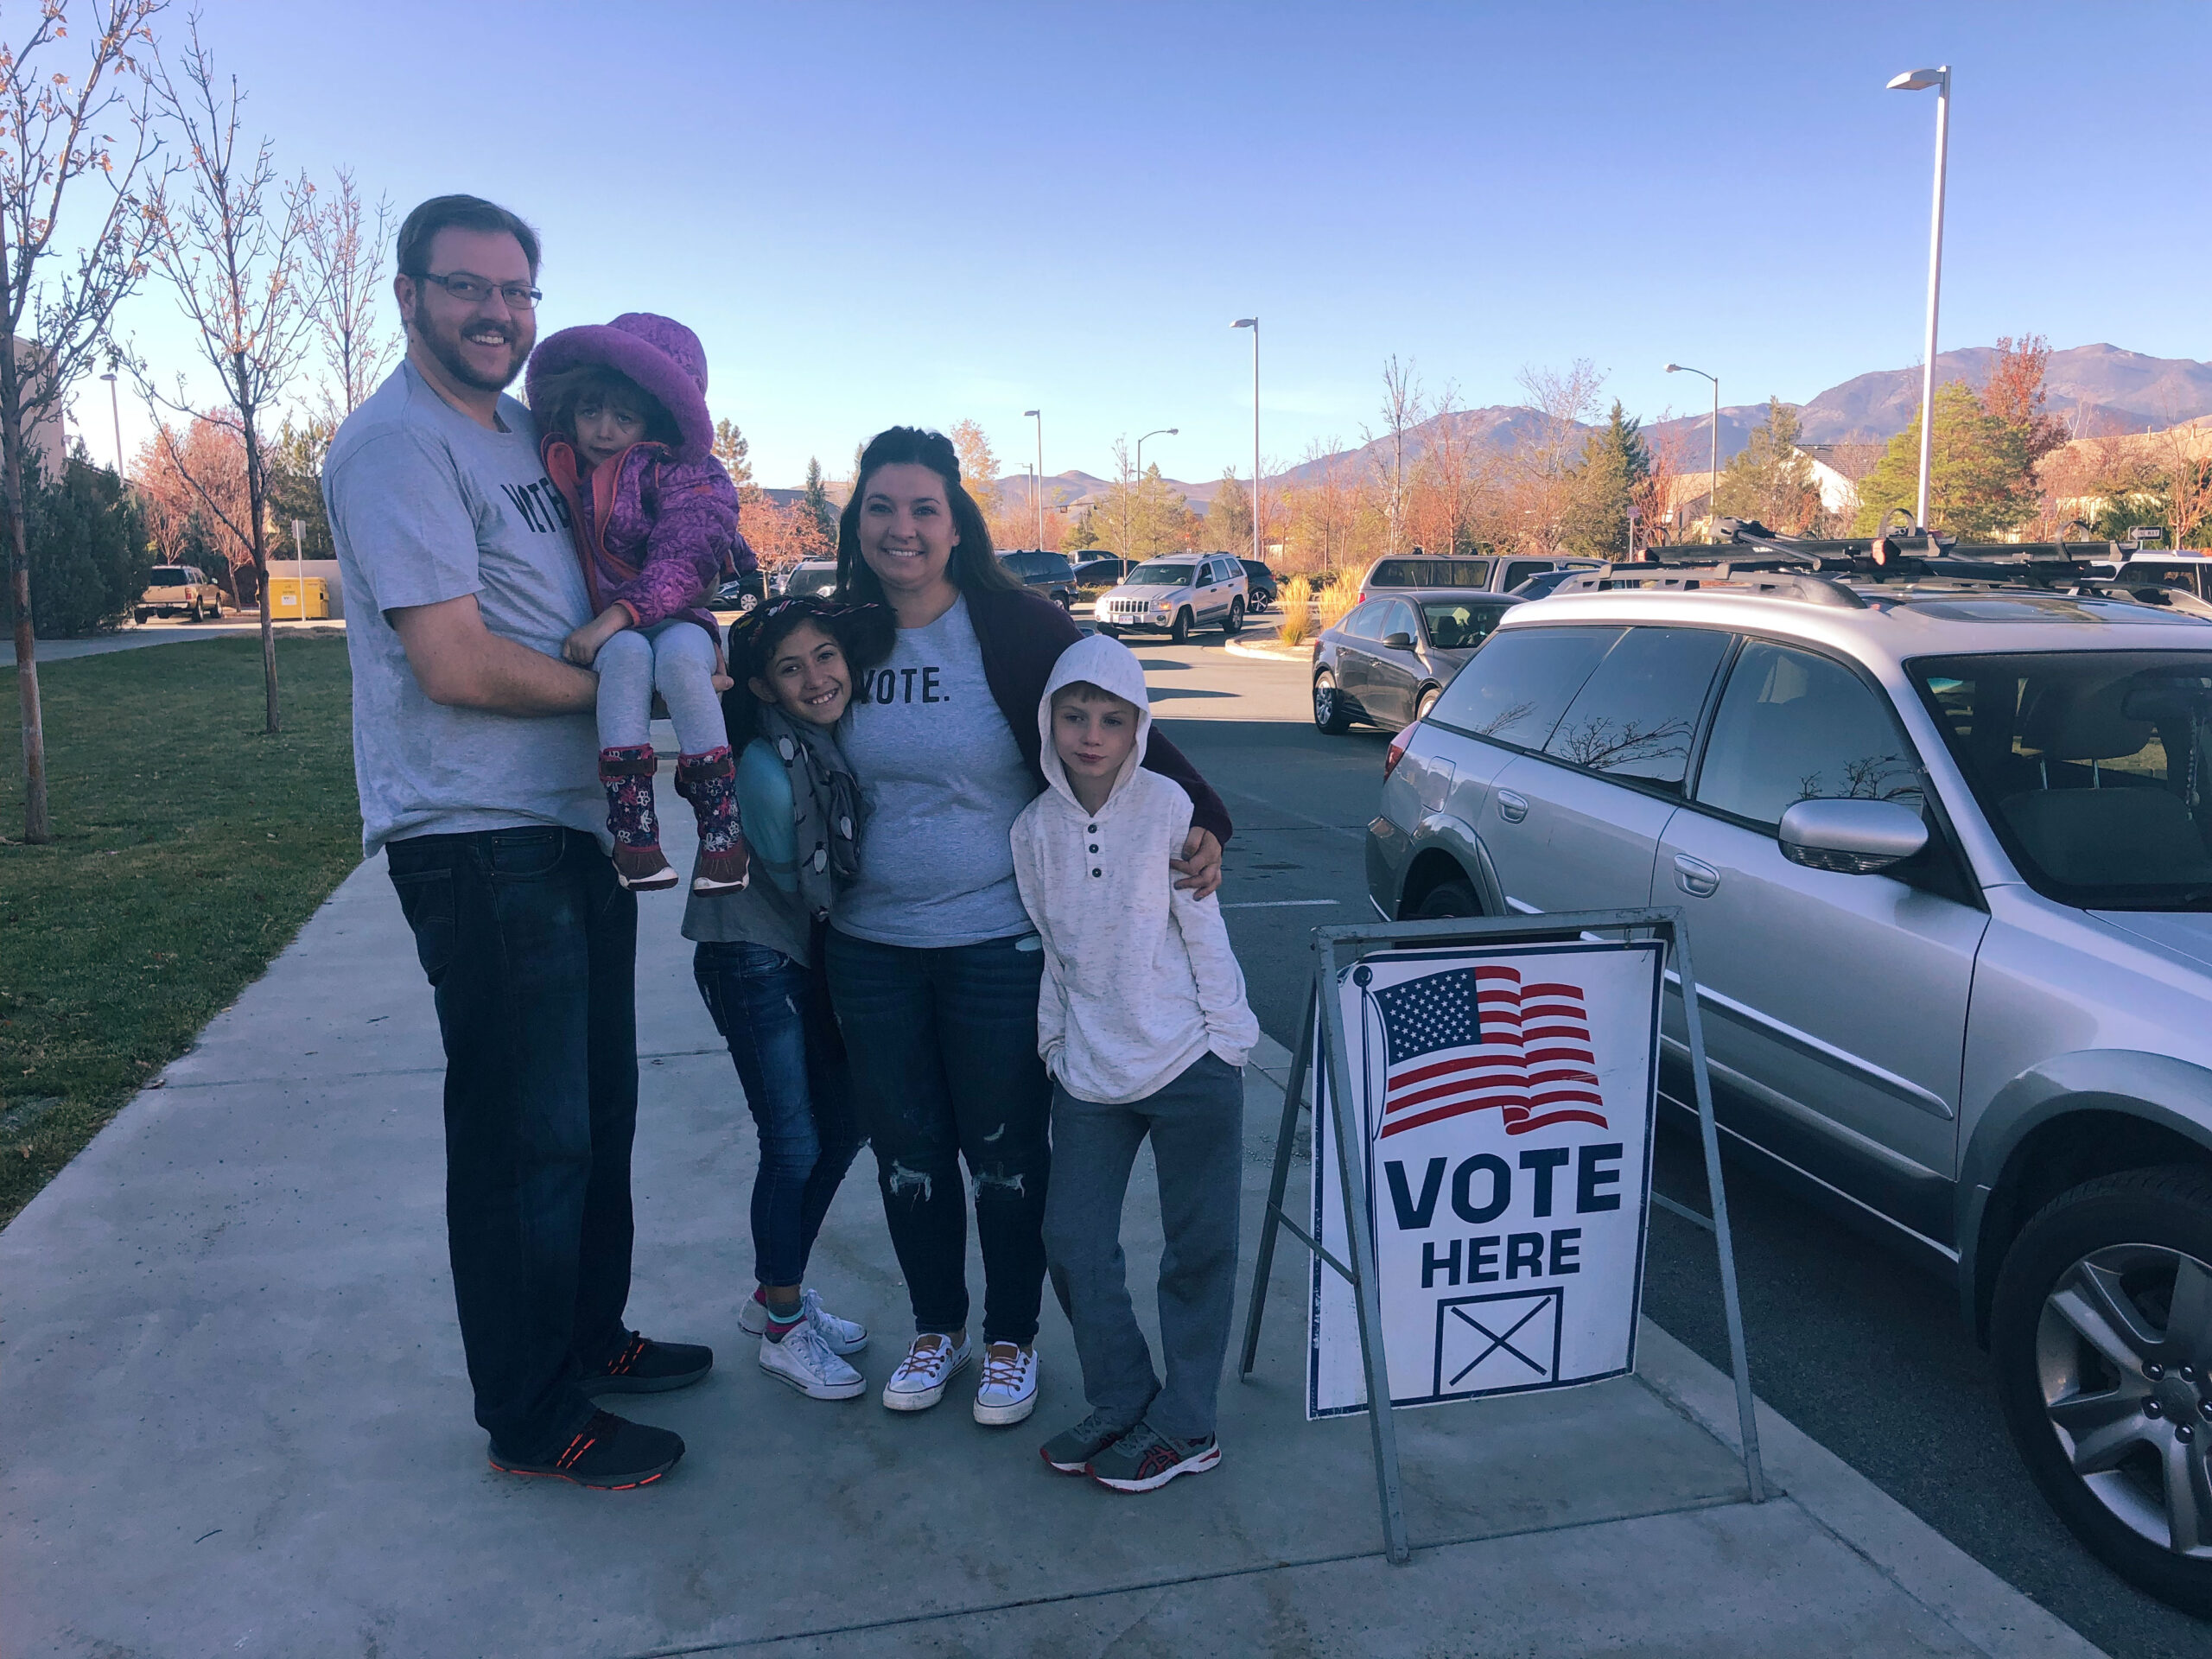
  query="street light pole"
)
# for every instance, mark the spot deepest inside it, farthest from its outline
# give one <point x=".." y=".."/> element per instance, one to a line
<point x="1713" y="478"/>
<point x="1157" y="431"/>
<point x="1915" y="80"/>
<point x="1038" y="489"/>
<point x="1253" y="323"/>
<point x="115" y="408"/>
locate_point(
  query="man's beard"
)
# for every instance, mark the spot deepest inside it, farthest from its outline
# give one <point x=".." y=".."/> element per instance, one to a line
<point x="447" y="350"/>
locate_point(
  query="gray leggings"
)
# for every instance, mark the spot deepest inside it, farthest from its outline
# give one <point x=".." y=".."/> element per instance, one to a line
<point x="675" y="658"/>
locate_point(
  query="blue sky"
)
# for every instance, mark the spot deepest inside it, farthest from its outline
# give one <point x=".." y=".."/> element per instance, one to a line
<point x="878" y="213"/>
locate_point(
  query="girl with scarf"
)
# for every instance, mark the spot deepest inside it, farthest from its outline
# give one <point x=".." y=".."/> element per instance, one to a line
<point x="758" y="962"/>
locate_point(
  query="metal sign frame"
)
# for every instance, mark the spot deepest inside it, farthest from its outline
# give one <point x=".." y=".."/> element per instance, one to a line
<point x="1336" y="946"/>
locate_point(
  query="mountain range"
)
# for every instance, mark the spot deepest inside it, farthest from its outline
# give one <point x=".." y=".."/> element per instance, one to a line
<point x="2097" y="390"/>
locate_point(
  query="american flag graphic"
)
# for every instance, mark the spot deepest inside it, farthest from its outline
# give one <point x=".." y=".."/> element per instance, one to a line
<point x="1473" y="1038"/>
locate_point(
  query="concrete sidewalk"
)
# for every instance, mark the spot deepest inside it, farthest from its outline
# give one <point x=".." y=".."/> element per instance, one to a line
<point x="238" y="1423"/>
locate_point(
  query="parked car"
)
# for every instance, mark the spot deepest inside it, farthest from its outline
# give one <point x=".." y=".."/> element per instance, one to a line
<point x="179" y="590"/>
<point x="810" y="578"/>
<point x="1943" y="841"/>
<point x="740" y="592"/>
<point x="1175" y="594"/>
<point x="1049" y="573"/>
<point x="2179" y="580"/>
<point x="1261" y="589"/>
<point x="1386" y="662"/>
<point x="1101" y="571"/>
<point x="1487" y="574"/>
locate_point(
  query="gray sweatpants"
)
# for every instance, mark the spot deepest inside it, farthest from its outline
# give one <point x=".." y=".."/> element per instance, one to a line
<point x="1196" y="1126"/>
<point x="674" y="659"/>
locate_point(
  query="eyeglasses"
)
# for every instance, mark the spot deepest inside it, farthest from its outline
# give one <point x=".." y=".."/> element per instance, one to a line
<point x="473" y="291"/>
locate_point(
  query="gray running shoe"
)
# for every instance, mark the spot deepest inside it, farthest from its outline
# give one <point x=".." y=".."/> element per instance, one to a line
<point x="1144" y="1459"/>
<point x="1071" y="1450"/>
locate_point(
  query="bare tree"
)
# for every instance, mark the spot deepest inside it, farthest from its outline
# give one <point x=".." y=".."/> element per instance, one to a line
<point x="50" y="136"/>
<point x="1563" y="400"/>
<point x="1402" y="410"/>
<point x="234" y="243"/>
<point x="345" y="240"/>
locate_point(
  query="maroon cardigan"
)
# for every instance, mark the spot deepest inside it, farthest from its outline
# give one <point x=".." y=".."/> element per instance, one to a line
<point x="1021" y="635"/>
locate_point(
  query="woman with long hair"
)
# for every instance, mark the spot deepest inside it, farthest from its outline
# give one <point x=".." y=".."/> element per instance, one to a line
<point x="934" y="966"/>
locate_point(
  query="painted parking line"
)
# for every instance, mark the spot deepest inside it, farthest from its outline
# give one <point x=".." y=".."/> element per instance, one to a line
<point x="1277" y="904"/>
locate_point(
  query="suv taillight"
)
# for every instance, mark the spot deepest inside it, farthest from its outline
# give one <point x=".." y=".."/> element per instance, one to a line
<point x="1397" y="751"/>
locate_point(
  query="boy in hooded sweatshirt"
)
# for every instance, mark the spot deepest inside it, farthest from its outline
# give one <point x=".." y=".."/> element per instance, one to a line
<point x="1143" y="1024"/>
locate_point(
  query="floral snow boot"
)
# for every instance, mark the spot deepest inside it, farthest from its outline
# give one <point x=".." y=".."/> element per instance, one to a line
<point x="628" y="775"/>
<point x="708" y="781"/>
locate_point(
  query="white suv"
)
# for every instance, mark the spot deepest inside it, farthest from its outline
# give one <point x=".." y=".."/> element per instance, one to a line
<point x="1176" y="594"/>
<point x="1943" y="834"/>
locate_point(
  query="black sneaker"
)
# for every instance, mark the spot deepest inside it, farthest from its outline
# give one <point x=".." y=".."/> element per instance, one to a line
<point x="610" y="1453"/>
<point x="1144" y="1459"/>
<point x="644" y="1366"/>
<point x="1071" y="1450"/>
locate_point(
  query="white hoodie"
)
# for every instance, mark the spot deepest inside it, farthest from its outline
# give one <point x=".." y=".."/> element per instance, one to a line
<point x="1140" y="980"/>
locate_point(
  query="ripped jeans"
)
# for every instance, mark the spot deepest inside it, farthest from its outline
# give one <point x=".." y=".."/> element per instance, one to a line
<point x="771" y="1012"/>
<point x="943" y="1047"/>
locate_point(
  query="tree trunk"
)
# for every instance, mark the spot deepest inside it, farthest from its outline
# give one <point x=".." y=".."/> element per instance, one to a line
<point x="256" y="491"/>
<point x="38" y="827"/>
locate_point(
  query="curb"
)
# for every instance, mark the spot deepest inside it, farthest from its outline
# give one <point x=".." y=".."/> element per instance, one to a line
<point x="1267" y="652"/>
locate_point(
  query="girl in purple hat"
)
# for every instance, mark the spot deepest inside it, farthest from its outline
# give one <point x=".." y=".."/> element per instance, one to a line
<point x="622" y="412"/>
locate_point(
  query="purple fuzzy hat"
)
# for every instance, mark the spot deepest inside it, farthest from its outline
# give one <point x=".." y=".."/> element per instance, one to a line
<point x="659" y="354"/>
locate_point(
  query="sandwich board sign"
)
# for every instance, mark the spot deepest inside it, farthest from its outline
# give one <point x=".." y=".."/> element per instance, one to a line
<point x="1504" y="1100"/>
<point x="1483" y="1091"/>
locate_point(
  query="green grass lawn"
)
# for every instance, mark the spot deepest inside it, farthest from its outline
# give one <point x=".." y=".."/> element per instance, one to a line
<point x="188" y="849"/>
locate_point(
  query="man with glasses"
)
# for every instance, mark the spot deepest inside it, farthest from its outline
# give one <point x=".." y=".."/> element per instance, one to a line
<point x="476" y="757"/>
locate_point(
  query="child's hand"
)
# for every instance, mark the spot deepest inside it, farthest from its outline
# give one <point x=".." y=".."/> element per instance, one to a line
<point x="581" y="646"/>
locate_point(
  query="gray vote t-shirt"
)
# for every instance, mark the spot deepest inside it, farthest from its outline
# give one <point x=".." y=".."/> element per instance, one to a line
<point x="941" y="782"/>
<point x="426" y="505"/>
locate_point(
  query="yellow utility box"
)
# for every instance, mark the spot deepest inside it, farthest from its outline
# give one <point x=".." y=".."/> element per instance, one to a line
<point x="298" y="598"/>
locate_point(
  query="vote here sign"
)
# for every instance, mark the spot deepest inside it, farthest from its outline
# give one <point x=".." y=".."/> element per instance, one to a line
<point x="1503" y="1102"/>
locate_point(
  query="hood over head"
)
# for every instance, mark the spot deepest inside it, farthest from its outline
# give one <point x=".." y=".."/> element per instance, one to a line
<point x="1111" y="666"/>
<point x="658" y="352"/>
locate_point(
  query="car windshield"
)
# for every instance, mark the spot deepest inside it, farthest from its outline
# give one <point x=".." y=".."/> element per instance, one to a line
<point x="2095" y="768"/>
<point x="165" y="575"/>
<point x="1161" y="574"/>
<point x="810" y="579"/>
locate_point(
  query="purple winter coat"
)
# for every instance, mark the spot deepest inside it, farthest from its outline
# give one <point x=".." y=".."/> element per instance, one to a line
<point x="655" y="526"/>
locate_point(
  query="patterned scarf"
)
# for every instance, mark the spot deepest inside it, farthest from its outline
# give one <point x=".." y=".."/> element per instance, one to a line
<point x="825" y="806"/>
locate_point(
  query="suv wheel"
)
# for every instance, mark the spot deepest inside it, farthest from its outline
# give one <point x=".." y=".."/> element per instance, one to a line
<point x="192" y="613"/>
<point x="1428" y="701"/>
<point x="1329" y="705"/>
<point x="1448" y="899"/>
<point x="1181" y="631"/>
<point x="2101" y="1335"/>
<point x="1234" y="622"/>
<point x="1066" y="598"/>
<point x="140" y="615"/>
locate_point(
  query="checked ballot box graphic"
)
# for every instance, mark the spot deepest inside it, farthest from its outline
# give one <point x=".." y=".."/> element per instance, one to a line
<point x="1509" y="1340"/>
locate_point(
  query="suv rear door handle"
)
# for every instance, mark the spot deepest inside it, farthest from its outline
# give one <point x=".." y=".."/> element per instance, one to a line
<point x="1694" y="877"/>
<point x="1512" y="807"/>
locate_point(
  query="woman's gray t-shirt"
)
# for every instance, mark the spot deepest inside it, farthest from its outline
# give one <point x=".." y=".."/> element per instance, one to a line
<point x="941" y="782"/>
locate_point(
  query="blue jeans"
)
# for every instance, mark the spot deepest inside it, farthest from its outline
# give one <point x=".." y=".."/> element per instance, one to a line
<point x="530" y="945"/>
<point x="945" y="1068"/>
<point x="792" y="1063"/>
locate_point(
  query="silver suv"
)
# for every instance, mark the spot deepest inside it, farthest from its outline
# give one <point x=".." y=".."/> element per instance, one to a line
<point x="1945" y="845"/>
<point x="1177" y="594"/>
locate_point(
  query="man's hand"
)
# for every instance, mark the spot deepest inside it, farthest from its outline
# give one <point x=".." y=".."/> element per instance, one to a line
<point x="1200" y="865"/>
<point x="461" y="664"/>
<point x="583" y="646"/>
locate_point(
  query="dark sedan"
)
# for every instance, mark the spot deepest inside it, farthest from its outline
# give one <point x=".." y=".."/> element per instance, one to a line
<point x="1388" y="661"/>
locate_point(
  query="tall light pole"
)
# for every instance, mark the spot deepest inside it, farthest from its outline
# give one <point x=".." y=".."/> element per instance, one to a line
<point x="115" y="408"/>
<point x="1713" y="500"/>
<point x="1918" y="80"/>
<point x="1156" y="432"/>
<point x="1037" y="415"/>
<point x="1253" y="323"/>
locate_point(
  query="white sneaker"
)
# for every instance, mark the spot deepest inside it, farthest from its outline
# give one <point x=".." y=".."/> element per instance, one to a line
<point x="839" y="1336"/>
<point x="1008" y="1391"/>
<point x="803" y="1360"/>
<point x="930" y="1363"/>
